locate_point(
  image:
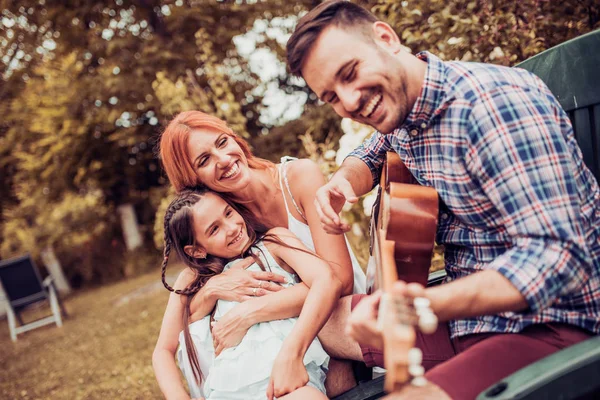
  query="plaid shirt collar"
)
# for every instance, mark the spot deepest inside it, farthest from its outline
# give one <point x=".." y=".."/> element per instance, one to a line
<point x="430" y="102"/>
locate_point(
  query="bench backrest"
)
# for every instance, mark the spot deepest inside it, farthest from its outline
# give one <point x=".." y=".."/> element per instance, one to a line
<point x="21" y="280"/>
<point x="572" y="72"/>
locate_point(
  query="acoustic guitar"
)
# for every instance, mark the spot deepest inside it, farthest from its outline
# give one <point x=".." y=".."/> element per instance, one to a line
<point x="403" y="228"/>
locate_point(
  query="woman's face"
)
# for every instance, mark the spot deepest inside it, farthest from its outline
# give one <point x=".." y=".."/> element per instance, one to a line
<point x="219" y="162"/>
<point x="219" y="230"/>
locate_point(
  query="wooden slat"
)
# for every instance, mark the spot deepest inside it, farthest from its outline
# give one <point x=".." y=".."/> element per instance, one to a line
<point x="584" y="136"/>
<point x="570" y="70"/>
<point x="596" y="135"/>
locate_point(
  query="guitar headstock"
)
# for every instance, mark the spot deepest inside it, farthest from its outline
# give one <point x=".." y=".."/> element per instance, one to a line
<point x="398" y="318"/>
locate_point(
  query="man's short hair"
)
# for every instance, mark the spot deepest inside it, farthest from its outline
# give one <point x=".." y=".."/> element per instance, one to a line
<point x="339" y="13"/>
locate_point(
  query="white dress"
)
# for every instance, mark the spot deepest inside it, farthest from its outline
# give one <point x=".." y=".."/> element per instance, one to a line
<point x="302" y="230"/>
<point x="243" y="372"/>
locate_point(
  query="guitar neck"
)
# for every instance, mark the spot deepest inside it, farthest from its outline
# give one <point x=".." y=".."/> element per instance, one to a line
<point x="403" y="233"/>
<point x="398" y="338"/>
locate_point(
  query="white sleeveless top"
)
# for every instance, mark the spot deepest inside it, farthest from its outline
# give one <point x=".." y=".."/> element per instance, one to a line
<point x="302" y="230"/>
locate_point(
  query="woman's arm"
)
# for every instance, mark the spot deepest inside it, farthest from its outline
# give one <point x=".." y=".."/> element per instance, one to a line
<point x="305" y="179"/>
<point x="231" y="328"/>
<point x="163" y="358"/>
<point x="235" y="284"/>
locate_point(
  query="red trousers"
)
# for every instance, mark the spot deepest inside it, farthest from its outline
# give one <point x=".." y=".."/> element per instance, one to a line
<point x="465" y="366"/>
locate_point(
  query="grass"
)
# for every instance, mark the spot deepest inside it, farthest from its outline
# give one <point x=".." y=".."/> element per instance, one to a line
<point x="103" y="350"/>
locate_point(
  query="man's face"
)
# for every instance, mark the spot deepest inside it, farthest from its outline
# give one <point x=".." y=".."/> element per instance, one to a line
<point x="360" y="75"/>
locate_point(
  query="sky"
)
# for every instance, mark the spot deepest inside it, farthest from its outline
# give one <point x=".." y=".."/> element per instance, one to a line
<point x="279" y="106"/>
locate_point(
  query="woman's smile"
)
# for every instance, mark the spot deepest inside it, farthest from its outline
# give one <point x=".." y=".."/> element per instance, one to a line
<point x="231" y="172"/>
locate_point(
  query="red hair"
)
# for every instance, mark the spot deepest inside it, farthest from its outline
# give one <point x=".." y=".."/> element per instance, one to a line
<point x="174" y="146"/>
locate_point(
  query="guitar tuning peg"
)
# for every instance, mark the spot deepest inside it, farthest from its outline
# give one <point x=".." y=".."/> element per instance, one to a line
<point x="415" y="356"/>
<point x="428" y="322"/>
<point x="416" y="370"/>
<point x="419" y="381"/>
<point x="421" y="303"/>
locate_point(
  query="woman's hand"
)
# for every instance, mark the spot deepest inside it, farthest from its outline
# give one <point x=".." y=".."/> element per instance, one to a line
<point x="238" y="284"/>
<point x="288" y="374"/>
<point x="230" y="329"/>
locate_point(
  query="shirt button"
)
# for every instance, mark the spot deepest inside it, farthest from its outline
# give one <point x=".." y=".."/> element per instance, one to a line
<point x="444" y="216"/>
<point x="423" y="125"/>
<point x="414" y="132"/>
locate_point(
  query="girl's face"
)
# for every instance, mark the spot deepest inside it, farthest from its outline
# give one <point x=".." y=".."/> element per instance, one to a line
<point x="219" y="162"/>
<point x="219" y="229"/>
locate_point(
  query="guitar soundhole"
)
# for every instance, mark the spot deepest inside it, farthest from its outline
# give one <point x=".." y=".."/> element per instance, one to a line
<point x="497" y="389"/>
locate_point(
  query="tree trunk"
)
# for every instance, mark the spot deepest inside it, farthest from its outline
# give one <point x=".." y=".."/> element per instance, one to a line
<point x="3" y="301"/>
<point x="130" y="227"/>
<point x="55" y="270"/>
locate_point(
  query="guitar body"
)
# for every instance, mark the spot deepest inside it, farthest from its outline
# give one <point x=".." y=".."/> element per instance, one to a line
<point x="402" y="232"/>
<point x="406" y="214"/>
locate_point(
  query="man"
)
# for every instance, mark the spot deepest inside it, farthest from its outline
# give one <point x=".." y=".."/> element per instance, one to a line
<point x="519" y="211"/>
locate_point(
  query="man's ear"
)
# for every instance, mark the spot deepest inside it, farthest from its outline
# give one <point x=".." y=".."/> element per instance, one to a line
<point x="195" y="251"/>
<point x="385" y="37"/>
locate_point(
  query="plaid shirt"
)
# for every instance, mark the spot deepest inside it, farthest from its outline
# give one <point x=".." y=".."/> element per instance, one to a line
<point x="515" y="196"/>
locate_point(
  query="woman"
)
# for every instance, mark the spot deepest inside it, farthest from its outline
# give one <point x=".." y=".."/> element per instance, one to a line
<point x="199" y="149"/>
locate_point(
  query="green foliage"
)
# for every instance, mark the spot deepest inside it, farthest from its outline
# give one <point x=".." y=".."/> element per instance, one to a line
<point x="73" y="225"/>
<point x="162" y="198"/>
<point x="501" y="32"/>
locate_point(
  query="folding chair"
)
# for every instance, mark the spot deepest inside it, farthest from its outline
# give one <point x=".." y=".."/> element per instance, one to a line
<point x="23" y="286"/>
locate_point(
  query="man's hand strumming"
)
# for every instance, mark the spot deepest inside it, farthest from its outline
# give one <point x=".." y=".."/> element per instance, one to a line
<point x="329" y="200"/>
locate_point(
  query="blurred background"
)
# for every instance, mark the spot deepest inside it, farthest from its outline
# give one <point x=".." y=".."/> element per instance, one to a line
<point x="86" y="88"/>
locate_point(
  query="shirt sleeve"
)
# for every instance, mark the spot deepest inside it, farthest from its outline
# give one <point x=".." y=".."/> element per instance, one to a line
<point x="372" y="152"/>
<point x="524" y="162"/>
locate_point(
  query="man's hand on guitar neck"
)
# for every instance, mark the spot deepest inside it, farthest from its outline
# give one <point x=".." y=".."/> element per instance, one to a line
<point x="352" y="180"/>
<point x="362" y="323"/>
<point x="483" y="293"/>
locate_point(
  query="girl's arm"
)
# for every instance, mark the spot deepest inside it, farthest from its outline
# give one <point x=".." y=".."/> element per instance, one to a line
<point x="305" y="178"/>
<point x="163" y="358"/>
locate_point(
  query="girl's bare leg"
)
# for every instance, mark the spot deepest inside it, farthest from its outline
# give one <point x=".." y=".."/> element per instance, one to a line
<point x="306" y="392"/>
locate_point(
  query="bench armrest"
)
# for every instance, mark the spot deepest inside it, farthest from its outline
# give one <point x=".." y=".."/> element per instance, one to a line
<point x="370" y="390"/>
<point x="436" y="278"/>
<point x="569" y="374"/>
<point x="48" y="281"/>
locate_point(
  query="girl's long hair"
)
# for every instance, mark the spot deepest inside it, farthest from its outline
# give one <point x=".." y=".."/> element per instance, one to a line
<point x="179" y="232"/>
<point x="173" y="147"/>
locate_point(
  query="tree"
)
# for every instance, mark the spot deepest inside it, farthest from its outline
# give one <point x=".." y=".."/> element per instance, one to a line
<point x="501" y="32"/>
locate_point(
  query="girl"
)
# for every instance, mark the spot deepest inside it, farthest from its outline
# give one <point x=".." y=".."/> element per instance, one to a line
<point x="208" y="232"/>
